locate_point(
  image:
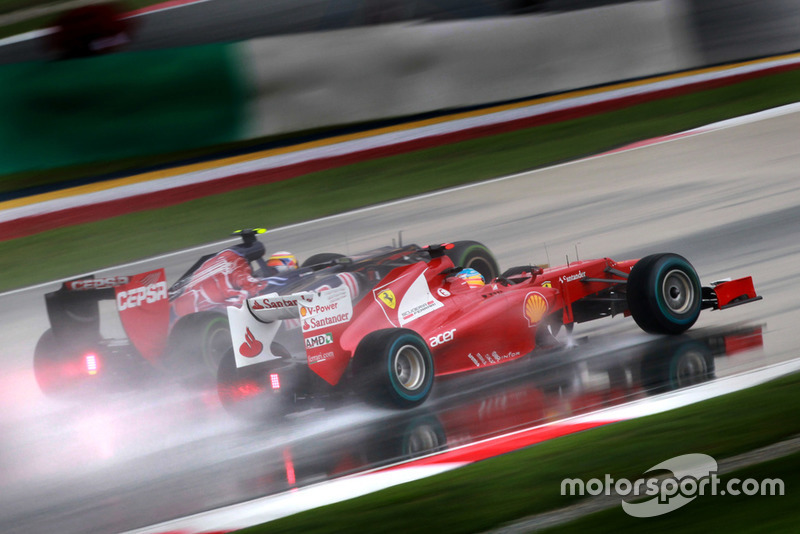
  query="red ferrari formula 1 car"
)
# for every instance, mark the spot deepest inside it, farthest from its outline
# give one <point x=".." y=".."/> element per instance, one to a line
<point x="423" y="320"/>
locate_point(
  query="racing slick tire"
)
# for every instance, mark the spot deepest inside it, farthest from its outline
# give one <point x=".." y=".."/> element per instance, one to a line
<point x="393" y="367"/>
<point x="476" y="256"/>
<point x="196" y="346"/>
<point x="321" y="259"/>
<point x="246" y="392"/>
<point x="664" y="294"/>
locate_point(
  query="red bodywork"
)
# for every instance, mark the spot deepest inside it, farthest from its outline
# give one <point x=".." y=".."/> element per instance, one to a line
<point x="468" y="328"/>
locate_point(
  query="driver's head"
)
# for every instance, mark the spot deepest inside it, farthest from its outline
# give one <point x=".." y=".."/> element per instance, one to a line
<point x="472" y="277"/>
<point x="282" y="261"/>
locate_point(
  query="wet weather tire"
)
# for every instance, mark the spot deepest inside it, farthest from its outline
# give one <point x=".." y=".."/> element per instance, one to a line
<point x="394" y="367"/>
<point x="196" y="346"/>
<point x="664" y="294"/>
<point x="246" y="392"/>
<point x="47" y="365"/>
<point x="476" y="256"/>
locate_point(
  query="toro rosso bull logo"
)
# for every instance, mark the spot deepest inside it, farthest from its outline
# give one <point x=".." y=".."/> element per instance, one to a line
<point x="534" y="308"/>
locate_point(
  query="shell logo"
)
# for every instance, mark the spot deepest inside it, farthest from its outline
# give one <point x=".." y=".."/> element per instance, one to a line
<point x="535" y="308"/>
<point x="303" y="311"/>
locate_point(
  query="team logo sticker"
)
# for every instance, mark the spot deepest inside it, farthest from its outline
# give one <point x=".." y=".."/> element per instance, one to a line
<point x="387" y="297"/>
<point x="251" y="346"/>
<point x="534" y="308"/>
<point x="313" y="342"/>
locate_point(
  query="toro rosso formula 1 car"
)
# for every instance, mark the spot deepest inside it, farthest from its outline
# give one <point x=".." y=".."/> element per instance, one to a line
<point x="424" y="321"/>
<point x="183" y="329"/>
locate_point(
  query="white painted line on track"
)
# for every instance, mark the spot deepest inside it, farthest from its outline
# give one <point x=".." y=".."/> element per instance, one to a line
<point x="27" y="36"/>
<point x="44" y="32"/>
<point x="695" y="394"/>
<point x="269" y="508"/>
<point x="721" y="125"/>
<point x="377" y="141"/>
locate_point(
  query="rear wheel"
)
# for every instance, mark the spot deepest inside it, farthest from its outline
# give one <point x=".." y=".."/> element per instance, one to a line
<point x="250" y="392"/>
<point x="394" y="367"/>
<point x="48" y="365"/>
<point x="476" y="256"/>
<point x="321" y="259"/>
<point x="196" y="345"/>
<point x="664" y="294"/>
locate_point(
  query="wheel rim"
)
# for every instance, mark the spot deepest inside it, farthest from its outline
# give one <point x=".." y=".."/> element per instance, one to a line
<point x="678" y="291"/>
<point x="409" y="367"/>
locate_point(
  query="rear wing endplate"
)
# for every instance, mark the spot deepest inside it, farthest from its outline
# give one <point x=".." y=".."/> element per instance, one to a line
<point x="323" y="316"/>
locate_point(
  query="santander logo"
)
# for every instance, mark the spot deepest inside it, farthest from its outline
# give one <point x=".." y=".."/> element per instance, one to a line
<point x="251" y="346"/>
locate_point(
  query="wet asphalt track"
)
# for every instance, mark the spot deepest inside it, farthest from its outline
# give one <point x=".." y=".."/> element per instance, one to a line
<point x="728" y="200"/>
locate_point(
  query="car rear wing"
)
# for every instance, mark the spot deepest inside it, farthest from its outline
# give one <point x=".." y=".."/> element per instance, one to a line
<point x="141" y="300"/>
<point x="323" y="316"/>
<point x="728" y="293"/>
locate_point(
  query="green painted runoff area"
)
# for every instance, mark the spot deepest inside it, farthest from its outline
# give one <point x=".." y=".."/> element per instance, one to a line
<point x="64" y="252"/>
<point x="507" y="488"/>
<point x="63" y="113"/>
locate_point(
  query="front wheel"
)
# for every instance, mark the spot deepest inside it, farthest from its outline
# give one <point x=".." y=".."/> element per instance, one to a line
<point x="394" y="367"/>
<point x="664" y="294"/>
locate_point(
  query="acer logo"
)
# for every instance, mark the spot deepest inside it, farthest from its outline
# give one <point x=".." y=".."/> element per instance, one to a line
<point x="251" y="346"/>
<point x="442" y="338"/>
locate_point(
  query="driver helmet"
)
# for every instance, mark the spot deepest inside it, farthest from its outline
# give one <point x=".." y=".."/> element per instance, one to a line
<point x="282" y="261"/>
<point x="472" y="277"/>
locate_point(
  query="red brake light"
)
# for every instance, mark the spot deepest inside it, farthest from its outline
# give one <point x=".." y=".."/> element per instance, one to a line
<point x="92" y="363"/>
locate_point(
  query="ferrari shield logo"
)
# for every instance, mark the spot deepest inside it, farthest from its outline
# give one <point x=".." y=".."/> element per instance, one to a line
<point x="534" y="308"/>
<point x="387" y="297"/>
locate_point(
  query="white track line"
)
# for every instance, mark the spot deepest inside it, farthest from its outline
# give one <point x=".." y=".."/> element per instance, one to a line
<point x="729" y="123"/>
<point x="377" y="141"/>
<point x="273" y="507"/>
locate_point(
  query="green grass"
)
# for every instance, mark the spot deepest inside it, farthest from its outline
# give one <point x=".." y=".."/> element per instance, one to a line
<point x="68" y="251"/>
<point x="490" y="493"/>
